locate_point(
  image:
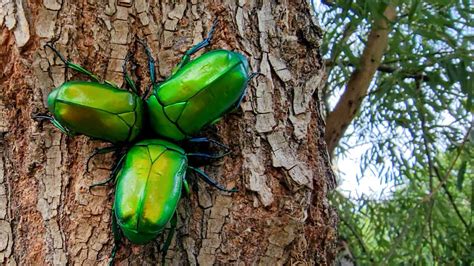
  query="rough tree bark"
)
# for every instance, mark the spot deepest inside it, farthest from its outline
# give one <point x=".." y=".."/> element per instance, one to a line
<point x="279" y="162"/>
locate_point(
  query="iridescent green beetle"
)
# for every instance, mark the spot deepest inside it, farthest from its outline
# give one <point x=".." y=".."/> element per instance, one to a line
<point x="198" y="92"/>
<point x="148" y="189"/>
<point x="96" y="109"/>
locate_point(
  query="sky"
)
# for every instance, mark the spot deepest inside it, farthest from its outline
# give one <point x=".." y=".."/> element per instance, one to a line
<point x="352" y="183"/>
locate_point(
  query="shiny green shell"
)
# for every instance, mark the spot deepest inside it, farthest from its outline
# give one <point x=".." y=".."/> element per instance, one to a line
<point x="198" y="94"/>
<point x="149" y="188"/>
<point x="97" y="110"/>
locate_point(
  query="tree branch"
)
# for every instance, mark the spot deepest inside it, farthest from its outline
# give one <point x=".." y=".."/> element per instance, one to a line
<point x="421" y="113"/>
<point x="451" y="199"/>
<point x="339" y="119"/>
<point x="444" y="179"/>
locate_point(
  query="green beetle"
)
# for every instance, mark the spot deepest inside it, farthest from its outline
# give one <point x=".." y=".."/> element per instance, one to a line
<point x="148" y="189"/>
<point x="198" y="92"/>
<point x="95" y="109"/>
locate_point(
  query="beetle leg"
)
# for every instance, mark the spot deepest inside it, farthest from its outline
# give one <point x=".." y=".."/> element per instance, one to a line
<point x="207" y="140"/>
<point x="126" y="77"/>
<point x="186" y="186"/>
<point x="100" y="151"/>
<point x="187" y="56"/>
<point x="60" y="127"/>
<point x="211" y="181"/>
<point x="236" y="105"/>
<point x="151" y="61"/>
<point x="54" y="122"/>
<point x="254" y="74"/>
<point x="113" y="175"/>
<point x="204" y="42"/>
<point x="117" y="238"/>
<point x="148" y="88"/>
<point x="102" y="183"/>
<point x="71" y="65"/>
<point x="213" y="141"/>
<point x="207" y="155"/>
<point x="166" y="245"/>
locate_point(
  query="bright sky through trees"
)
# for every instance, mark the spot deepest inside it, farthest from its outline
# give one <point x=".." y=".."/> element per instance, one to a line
<point x="411" y="135"/>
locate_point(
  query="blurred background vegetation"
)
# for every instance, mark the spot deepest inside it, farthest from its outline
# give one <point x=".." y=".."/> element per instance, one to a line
<point x="412" y="127"/>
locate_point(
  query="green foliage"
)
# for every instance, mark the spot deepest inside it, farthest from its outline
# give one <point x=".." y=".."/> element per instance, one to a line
<point x="413" y="226"/>
<point x="417" y="117"/>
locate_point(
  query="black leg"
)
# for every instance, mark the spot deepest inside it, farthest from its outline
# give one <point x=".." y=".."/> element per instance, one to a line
<point x="211" y="181"/>
<point x="206" y="155"/>
<point x="166" y="245"/>
<point x="187" y="56"/>
<point x="151" y="61"/>
<point x="236" y="104"/>
<point x="148" y="88"/>
<point x="254" y="74"/>
<point x="71" y="65"/>
<point x="39" y="117"/>
<point x="201" y="152"/>
<point x="213" y="141"/>
<point x="128" y="80"/>
<point x="117" y="238"/>
<point x="54" y="122"/>
<point x="113" y="175"/>
<point x="99" y="151"/>
<point x="204" y="42"/>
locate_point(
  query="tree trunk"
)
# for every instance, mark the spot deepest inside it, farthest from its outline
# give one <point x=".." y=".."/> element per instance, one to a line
<point x="279" y="161"/>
